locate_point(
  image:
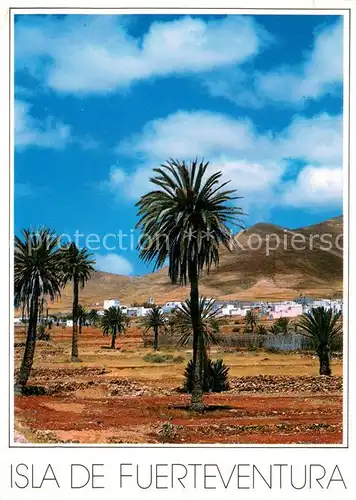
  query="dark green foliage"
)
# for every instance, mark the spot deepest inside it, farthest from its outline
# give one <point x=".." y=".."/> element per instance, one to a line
<point x="162" y="358"/>
<point x="323" y="327"/>
<point x="37" y="274"/>
<point x="282" y="325"/>
<point x="261" y="330"/>
<point x="250" y="320"/>
<point x="114" y="322"/>
<point x="215" y="377"/>
<point x="93" y="317"/>
<point x="274" y="329"/>
<point x="184" y="219"/>
<point x="42" y="334"/>
<point x="155" y="321"/>
<point x="273" y="350"/>
<point x="209" y="322"/>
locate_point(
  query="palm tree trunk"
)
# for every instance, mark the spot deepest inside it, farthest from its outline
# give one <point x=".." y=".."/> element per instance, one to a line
<point x="324" y="360"/>
<point x="196" y="403"/>
<point x="75" y="319"/>
<point x="29" y="353"/>
<point x="155" y="342"/>
<point x="113" y="338"/>
<point x="80" y="326"/>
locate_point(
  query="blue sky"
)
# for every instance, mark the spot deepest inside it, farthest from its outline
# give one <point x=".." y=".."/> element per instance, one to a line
<point x="101" y="100"/>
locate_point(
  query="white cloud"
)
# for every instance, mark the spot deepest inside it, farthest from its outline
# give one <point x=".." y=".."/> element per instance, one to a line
<point x="255" y="163"/>
<point x="320" y="73"/>
<point x="49" y="133"/>
<point x="189" y="134"/>
<point x="81" y="54"/>
<point x="113" y="263"/>
<point x="315" y="187"/>
<point x="317" y="139"/>
<point x="322" y="69"/>
<point x="30" y="131"/>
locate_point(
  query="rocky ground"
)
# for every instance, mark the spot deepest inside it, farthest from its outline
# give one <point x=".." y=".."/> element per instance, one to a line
<point x="115" y="396"/>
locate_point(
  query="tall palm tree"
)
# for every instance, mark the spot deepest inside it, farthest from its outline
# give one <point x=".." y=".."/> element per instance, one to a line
<point x="184" y="220"/>
<point x="77" y="267"/>
<point x="93" y="317"/>
<point x="209" y="324"/>
<point x="250" y="319"/>
<point x="322" y="326"/>
<point x="37" y="274"/>
<point x="115" y="322"/>
<point x="82" y="317"/>
<point x="154" y="320"/>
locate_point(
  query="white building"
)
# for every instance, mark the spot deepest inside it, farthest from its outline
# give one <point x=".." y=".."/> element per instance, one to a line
<point x="170" y="306"/>
<point x="286" y="310"/>
<point x="232" y="310"/>
<point x="111" y="303"/>
<point x="69" y="323"/>
<point x="138" y="312"/>
<point x="335" y="305"/>
<point x="150" y="300"/>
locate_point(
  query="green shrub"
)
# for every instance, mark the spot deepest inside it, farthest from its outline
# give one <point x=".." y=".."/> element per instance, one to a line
<point x="158" y="358"/>
<point x="162" y="358"/>
<point x="251" y="347"/>
<point x="215" y="376"/>
<point x="42" y="334"/>
<point x="273" y="350"/>
<point x="178" y="359"/>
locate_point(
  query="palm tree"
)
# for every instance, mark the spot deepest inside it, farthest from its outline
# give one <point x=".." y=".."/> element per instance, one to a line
<point x="283" y="325"/>
<point x="93" y="317"/>
<point x="250" y="319"/>
<point x="114" y="321"/>
<point x="184" y="220"/>
<point x="154" y="320"/>
<point x="77" y="267"/>
<point x="37" y="274"/>
<point x="82" y="317"/>
<point x="322" y="326"/>
<point x="261" y="330"/>
<point x="274" y="329"/>
<point x="209" y="324"/>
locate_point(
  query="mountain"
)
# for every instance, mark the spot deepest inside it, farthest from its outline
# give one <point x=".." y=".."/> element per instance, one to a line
<point x="248" y="272"/>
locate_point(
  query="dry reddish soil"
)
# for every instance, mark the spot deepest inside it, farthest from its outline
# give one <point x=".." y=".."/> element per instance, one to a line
<point x="117" y="397"/>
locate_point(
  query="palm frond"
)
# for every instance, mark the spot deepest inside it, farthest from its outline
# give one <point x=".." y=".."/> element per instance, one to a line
<point x="209" y="322"/>
<point x="185" y="220"/>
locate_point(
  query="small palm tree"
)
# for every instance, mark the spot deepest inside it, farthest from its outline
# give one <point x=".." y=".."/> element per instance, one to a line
<point x="114" y="322"/>
<point x="37" y="273"/>
<point x="261" y="330"/>
<point x="154" y="320"/>
<point x="274" y="329"/>
<point x="283" y="325"/>
<point x="209" y="323"/>
<point x="82" y="317"/>
<point x="250" y="320"/>
<point x="93" y="317"/>
<point x="77" y="267"/>
<point x="184" y="220"/>
<point x="322" y="326"/>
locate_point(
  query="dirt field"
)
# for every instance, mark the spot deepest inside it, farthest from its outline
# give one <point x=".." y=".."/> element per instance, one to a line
<point x="117" y="397"/>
